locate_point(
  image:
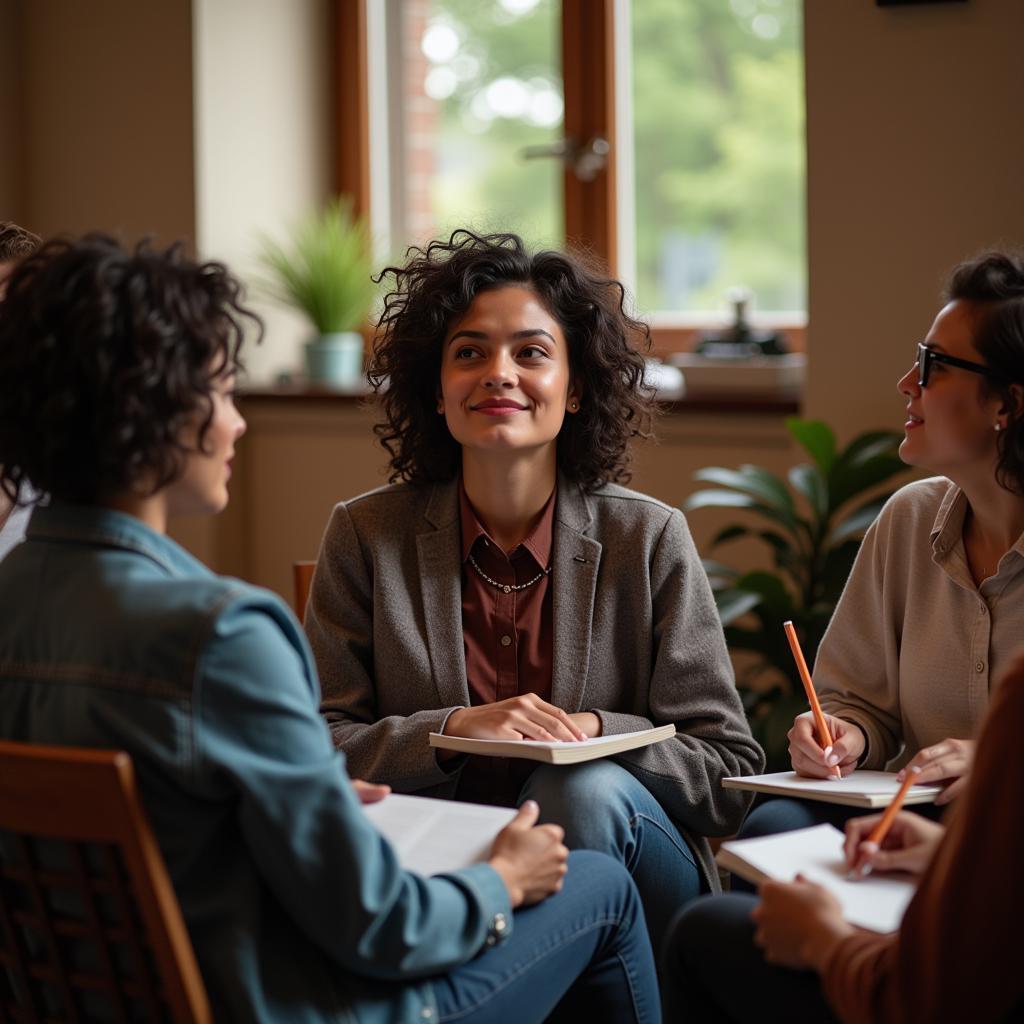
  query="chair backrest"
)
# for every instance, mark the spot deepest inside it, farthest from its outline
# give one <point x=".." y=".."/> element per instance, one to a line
<point x="302" y="575"/>
<point x="90" y="927"/>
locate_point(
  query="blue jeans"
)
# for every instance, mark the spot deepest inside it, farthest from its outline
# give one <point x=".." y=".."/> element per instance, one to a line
<point x="602" y="807"/>
<point x="714" y="972"/>
<point x="582" y="954"/>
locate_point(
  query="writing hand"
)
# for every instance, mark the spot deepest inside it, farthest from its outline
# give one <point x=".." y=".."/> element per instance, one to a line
<point x="949" y="760"/>
<point x="369" y="792"/>
<point x="531" y="858"/>
<point x="798" y="923"/>
<point x="909" y="844"/>
<point x="526" y="717"/>
<point x="808" y="757"/>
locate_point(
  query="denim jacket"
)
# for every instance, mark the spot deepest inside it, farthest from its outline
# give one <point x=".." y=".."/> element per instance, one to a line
<point x="112" y="636"/>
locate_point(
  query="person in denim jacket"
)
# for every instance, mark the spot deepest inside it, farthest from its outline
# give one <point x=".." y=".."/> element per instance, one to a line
<point x="113" y="636"/>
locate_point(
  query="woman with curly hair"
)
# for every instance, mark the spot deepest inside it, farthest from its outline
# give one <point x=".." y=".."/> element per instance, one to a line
<point x="112" y="636"/>
<point x="506" y="586"/>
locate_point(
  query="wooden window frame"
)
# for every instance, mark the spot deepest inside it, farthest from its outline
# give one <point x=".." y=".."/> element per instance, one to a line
<point x="588" y="69"/>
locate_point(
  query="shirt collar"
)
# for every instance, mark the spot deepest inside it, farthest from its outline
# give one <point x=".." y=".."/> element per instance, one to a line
<point x="538" y="544"/>
<point x="105" y="527"/>
<point x="947" y="530"/>
<point x="949" y="521"/>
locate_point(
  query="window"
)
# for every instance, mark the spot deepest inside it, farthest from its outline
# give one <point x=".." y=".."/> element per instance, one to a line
<point x="701" y="102"/>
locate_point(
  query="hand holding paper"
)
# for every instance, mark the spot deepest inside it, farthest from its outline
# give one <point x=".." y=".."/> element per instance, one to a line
<point x="798" y="923"/>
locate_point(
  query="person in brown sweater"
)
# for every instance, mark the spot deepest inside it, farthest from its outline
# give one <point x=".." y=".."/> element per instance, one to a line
<point x="956" y="955"/>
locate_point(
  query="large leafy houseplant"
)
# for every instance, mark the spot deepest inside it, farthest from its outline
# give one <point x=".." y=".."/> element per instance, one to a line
<point x="324" y="271"/>
<point x="813" y="527"/>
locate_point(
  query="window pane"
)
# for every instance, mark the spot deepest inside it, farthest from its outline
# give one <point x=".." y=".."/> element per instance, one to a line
<point x="482" y="80"/>
<point x="718" y="114"/>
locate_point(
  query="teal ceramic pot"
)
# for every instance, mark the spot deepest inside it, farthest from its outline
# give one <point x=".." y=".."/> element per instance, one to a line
<point x="336" y="360"/>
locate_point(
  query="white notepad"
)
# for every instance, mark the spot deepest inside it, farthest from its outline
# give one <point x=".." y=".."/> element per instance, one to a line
<point x="858" y="789"/>
<point x="556" y="751"/>
<point x="877" y="902"/>
<point x="434" y="836"/>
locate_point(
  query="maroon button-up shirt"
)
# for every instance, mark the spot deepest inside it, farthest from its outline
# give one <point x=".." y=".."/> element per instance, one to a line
<point x="507" y="637"/>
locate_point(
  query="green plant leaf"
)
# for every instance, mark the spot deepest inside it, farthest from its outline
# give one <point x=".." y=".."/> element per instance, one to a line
<point x="752" y="480"/>
<point x="733" y="604"/>
<point x="810" y="482"/>
<point x="771" y="589"/>
<point x="835" y="571"/>
<point x="816" y="438"/>
<point x="735" y="499"/>
<point x="728" y="533"/>
<point x="324" y="269"/>
<point x="857" y="521"/>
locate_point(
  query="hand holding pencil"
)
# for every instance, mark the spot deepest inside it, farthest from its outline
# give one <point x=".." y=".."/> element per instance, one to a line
<point x="824" y="733"/>
<point x="908" y="846"/>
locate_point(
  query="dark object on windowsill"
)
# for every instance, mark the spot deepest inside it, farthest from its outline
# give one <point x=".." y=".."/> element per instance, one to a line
<point x="733" y="344"/>
<point x="740" y="340"/>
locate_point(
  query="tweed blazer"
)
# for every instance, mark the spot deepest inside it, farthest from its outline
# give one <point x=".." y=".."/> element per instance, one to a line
<point x="637" y="640"/>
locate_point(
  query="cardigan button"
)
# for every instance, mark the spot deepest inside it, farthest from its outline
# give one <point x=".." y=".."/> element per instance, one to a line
<point x="506" y="640"/>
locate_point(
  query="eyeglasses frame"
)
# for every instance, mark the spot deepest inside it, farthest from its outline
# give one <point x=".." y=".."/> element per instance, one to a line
<point x="927" y="355"/>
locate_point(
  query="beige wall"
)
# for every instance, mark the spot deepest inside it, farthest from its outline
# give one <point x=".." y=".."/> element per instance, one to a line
<point x="915" y="160"/>
<point x="264" y="141"/>
<point x="108" y="117"/>
<point x="12" y="114"/>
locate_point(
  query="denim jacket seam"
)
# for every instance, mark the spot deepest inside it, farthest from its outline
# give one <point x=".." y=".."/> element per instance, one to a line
<point x="92" y="675"/>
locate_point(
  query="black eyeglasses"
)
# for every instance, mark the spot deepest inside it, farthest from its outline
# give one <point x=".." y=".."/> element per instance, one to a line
<point x="927" y="357"/>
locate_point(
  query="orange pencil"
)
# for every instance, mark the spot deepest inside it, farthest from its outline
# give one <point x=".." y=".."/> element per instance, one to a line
<point x="881" y="830"/>
<point x="812" y="698"/>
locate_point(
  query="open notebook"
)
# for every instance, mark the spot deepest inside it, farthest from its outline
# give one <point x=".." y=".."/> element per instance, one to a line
<point x="433" y="836"/>
<point x="876" y="902"/>
<point x="556" y="752"/>
<point x="858" y="789"/>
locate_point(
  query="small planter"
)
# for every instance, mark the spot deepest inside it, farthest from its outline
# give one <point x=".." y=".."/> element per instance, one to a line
<point x="336" y="360"/>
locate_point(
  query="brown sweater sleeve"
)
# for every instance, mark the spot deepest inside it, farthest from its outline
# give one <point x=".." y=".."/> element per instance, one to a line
<point x="957" y="955"/>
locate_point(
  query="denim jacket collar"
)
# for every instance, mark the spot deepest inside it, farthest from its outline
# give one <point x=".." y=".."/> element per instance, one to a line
<point x="105" y="527"/>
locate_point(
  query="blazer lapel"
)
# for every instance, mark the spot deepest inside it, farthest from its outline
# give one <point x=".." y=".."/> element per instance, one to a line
<point x="437" y="546"/>
<point x="575" y="561"/>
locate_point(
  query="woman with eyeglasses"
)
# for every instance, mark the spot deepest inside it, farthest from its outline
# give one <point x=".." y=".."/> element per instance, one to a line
<point x="935" y="603"/>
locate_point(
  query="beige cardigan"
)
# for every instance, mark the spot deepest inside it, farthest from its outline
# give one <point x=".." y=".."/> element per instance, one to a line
<point x="914" y="645"/>
<point x="637" y="639"/>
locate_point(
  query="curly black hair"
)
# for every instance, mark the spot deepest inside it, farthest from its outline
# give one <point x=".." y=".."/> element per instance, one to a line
<point x="434" y="289"/>
<point x="16" y="242"/>
<point x="106" y="356"/>
<point x="994" y="283"/>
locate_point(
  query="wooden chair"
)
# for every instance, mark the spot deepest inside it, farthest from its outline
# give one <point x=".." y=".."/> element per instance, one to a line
<point x="302" y="576"/>
<point x="90" y="928"/>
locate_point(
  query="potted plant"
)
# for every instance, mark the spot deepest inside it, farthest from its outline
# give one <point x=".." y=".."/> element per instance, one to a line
<point x="324" y="271"/>
<point x="813" y="527"/>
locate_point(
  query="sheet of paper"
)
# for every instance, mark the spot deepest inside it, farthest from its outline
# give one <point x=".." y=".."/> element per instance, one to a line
<point x="877" y="902"/>
<point x="433" y="836"/>
<point x="596" y="742"/>
<point x="859" y="782"/>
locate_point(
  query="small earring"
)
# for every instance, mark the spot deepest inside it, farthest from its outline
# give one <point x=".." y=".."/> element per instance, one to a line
<point x="573" y="405"/>
<point x="998" y="427"/>
<point x="440" y="408"/>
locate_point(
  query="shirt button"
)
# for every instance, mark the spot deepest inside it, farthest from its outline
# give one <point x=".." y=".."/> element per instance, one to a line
<point x="506" y="640"/>
<point x="426" y="1013"/>
<point x="979" y="667"/>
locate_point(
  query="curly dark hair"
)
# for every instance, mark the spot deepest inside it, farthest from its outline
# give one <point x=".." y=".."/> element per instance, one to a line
<point x="436" y="287"/>
<point x="16" y="242"/>
<point x="994" y="283"/>
<point x="106" y="357"/>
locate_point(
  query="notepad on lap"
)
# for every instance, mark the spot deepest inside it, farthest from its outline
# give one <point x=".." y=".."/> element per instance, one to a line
<point x="556" y="751"/>
<point x="433" y="836"/>
<point x="859" y="789"/>
<point x="877" y="902"/>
